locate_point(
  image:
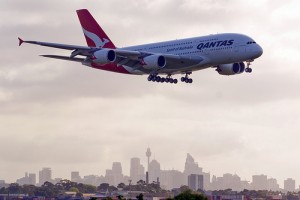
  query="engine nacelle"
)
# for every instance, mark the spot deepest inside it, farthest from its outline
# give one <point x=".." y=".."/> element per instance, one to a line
<point x="231" y="69"/>
<point x="154" y="62"/>
<point x="104" y="56"/>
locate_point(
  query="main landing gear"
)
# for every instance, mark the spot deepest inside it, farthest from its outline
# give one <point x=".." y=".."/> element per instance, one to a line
<point x="154" y="77"/>
<point x="186" y="78"/>
<point x="248" y="68"/>
<point x="158" y="79"/>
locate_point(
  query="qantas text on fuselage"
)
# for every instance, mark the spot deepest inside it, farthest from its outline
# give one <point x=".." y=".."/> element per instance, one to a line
<point x="227" y="53"/>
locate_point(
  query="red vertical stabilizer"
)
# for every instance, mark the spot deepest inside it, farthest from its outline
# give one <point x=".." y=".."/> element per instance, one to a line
<point x="94" y="34"/>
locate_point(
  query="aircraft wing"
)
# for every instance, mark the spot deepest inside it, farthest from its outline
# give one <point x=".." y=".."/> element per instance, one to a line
<point x="130" y="58"/>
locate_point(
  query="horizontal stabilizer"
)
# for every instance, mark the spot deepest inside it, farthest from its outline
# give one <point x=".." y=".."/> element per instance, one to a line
<point x="20" y="41"/>
<point x="64" y="58"/>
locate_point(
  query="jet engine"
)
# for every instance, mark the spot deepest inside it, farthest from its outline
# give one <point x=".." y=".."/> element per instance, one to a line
<point x="104" y="56"/>
<point x="231" y="69"/>
<point x="154" y="62"/>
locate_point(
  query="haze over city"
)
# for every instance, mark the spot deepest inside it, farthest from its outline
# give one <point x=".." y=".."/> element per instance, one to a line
<point x="168" y="179"/>
<point x="73" y="118"/>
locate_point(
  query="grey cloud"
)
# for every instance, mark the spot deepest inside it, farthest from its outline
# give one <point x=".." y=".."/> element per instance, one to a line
<point x="47" y="103"/>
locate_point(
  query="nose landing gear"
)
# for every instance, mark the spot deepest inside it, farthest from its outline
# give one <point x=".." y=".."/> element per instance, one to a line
<point x="248" y="68"/>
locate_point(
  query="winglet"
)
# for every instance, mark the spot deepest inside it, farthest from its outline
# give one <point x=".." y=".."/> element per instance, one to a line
<point x="20" y="41"/>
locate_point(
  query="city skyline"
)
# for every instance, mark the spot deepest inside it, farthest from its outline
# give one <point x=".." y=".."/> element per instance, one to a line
<point x="73" y="118"/>
<point x="115" y="175"/>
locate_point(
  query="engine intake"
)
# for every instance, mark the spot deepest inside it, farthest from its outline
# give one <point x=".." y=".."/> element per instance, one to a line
<point x="105" y="56"/>
<point x="231" y="69"/>
<point x="155" y="62"/>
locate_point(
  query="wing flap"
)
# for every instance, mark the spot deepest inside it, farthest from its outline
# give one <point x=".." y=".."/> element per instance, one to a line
<point x="64" y="58"/>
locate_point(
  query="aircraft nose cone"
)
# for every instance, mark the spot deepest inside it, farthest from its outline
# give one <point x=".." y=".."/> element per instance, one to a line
<point x="259" y="51"/>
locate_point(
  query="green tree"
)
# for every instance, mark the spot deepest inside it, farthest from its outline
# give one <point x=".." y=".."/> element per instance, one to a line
<point x="29" y="189"/>
<point x="112" y="188"/>
<point x="103" y="187"/>
<point x="140" y="182"/>
<point x="3" y="190"/>
<point x="121" y="185"/>
<point x="120" y="197"/>
<point x="74" y="189"/>
<point x="189" y="195"/>
<point x="14" y="188"/>
<point x="140" y="197"/>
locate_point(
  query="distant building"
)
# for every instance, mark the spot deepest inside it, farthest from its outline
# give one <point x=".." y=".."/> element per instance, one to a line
<point x="228" y="181"/>
<point x="91" y="180"/>
<point x="154" y="171"/>
<point x="195" y="182"/>
<point x="137" y="171"/>
<point x="172" y="179"/>
<point x="117" y="173"/>
<point x="28" y="179"/>
<point x="259" y="182"/>
<point x="45" y="175"/>
<point x="75" y="177"/>
<point x="290" y="185"/>
<point x="273" y="185"/>
<point x="245" y="185"/>
<point x="232" y="181"/>
<point x="206" y="181"/>
<point x="56" y="180"/>
<point x="109" y="177"/>
<point x="2" y="183"/>
<point x="191" y="167"/>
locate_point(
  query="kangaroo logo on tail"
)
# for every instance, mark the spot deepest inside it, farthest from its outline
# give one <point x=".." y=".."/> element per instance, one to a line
<point x="98" y="41"/>
<point x="94" y="34"/>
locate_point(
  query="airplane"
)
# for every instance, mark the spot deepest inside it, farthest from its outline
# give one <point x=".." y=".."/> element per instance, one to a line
<point x="226" y="52"/>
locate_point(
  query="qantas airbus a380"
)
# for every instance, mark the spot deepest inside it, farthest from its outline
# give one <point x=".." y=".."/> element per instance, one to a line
<point x="224" y="52"/>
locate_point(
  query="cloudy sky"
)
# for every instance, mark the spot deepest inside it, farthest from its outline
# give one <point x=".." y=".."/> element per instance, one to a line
<point x="72" y="118"/>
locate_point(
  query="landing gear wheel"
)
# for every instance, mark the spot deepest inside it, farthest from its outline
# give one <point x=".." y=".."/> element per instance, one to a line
<point x="175" y="81"/>
<point x="150" y="78"/>
<point x="186" y="78"/>
<point x="158" y="79"/>
<point x="248" y="70"/>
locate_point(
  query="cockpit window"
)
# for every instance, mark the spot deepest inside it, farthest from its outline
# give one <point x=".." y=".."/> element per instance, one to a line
<point x="251" y="42"/>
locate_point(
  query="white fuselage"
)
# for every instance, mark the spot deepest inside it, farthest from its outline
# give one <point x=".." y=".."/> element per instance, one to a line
<point x="213" y="49"/>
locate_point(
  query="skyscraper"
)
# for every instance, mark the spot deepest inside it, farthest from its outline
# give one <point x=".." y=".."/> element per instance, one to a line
<point x="28" y="179"/>
<point x="117" y="173"/>
<point x="195" y="182"/>
<point x="289" y="185"/>
<point x="191" y="167"/>
<point x="137" y="171"/>
<point x="259" y="182"/>
<point x="154" y="171"/>
<point x="75" y="177"/>
<point x="32" y="179"/>
<point x="273" y="185"/>
<point x="45" y="175"/>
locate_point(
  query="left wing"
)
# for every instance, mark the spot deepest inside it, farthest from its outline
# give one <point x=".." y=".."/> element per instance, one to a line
<point x="132" y="59"/>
